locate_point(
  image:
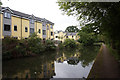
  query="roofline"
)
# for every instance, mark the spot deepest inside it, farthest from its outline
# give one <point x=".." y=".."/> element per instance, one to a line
<point x="42" y="19"/>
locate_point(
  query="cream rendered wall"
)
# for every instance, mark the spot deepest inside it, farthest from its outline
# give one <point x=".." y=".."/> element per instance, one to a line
<point x="16" y="21"/>
<point x="52" y="30"/>
<point x="48" y="31"/>
<point x="25" y="23"/>
<point x="39" y="26"/>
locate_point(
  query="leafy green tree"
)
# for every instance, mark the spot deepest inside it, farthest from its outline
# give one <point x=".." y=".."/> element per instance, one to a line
<point x="72" y="29"/>
<point x="49" y="45"/>
<point x="86" y="38"/>
<point x="104" y="16"/>
<point x="0" y="3"/>
<point x="35" y="44"/>
<point x="69" y="43"/>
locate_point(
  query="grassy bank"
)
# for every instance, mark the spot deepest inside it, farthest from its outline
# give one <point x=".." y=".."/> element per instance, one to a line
<point x="114" y="52"/>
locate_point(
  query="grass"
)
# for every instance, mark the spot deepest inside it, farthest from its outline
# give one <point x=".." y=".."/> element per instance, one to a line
<point x="114" y="53"/>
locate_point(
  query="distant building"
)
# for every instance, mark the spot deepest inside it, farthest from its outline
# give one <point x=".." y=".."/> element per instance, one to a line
<point x="72" y="35"/>
<point x="20" y="25"/>
<point x="61" y="35"/>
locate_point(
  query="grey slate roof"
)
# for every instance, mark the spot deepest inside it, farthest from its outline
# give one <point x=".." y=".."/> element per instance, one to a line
<point x="23" y="15"/>
<point x="71" y="34"/>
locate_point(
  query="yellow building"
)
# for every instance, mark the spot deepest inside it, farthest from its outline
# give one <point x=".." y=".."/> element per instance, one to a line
<point x="61" y="36"/>
<point x="20" y="25"/>
<point x="72" y="35"/>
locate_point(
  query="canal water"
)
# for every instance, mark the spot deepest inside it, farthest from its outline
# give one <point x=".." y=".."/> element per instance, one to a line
<point x="72" y="63"/>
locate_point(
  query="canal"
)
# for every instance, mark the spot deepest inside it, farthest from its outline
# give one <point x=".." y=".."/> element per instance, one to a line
<point x="72" y="63"/>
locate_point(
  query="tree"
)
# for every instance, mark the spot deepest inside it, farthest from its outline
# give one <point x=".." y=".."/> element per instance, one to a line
<point x="0" y="3"/>
<point x="104" y="16"/>
<point x="72" y="29"/>
<point x="69" y="43"/>
<point x="86" y="38"/>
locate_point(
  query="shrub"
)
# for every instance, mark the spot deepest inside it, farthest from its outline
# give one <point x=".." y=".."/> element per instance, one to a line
<point x="49" y="45"/>
<point x="70" y="43"/>
<point x="35" y="44"/>
<point x="60" y="46"/>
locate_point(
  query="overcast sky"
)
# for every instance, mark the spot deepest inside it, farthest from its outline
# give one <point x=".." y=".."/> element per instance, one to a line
<point x="48" y="9"/>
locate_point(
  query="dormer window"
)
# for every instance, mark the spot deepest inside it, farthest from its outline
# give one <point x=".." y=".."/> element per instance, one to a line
<point x="7" y="15"/>
<point x="32" y="21"/>
<point x="51" y="27"/>
<point x="47" y="27"/>
<point x="43" y="24"/>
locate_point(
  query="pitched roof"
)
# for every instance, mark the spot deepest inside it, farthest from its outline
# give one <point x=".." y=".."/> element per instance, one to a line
<point x="23" y="15"/>
<point x="71" y="34"/>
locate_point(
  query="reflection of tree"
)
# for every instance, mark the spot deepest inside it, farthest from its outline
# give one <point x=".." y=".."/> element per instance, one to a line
<point x="71" y="56"/>
<point x="32" y="66"/>
<point x="73" y="61"/>
<point x="88" y="54"/>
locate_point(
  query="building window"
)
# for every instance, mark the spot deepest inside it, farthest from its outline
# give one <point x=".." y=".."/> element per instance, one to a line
<point x="7" y="15"/>
<point x="31" y="30"/>
<point x="44" y="32"/>
<point x="51" y="27"/>
<point x="66" y="36"/>
<point x="6" y="27"/>
<point x="51" y="33"/>
<point x="15" y="37"/>
<point x="56" y="36"/>
<point x="39" y="31"/>
<point x="26" y="29"/>
<point x="43" y="24"/>
<point x="47" y="27"/>
<point x="31" y="21"/>
<point x="15" y="28"/>
<point x="26" y="38"/>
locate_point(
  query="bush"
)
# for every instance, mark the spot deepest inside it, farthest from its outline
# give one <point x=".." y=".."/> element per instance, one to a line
<point x="35" y="44"/>
<point x="87" y="38"/>
<point x="60" y="46"/>
<point x="70" y="43"/>
<point x="49" y="45"/>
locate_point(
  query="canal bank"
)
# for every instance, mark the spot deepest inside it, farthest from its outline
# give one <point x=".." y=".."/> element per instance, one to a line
<point x="105" y="65"/>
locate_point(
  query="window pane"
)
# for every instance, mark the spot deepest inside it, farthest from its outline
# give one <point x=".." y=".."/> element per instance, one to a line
<point x="47" y="27"/>
<point x="51" y="26"/>
<point x="39" y="31"/>
<point x="31" y="30"/>
<point x="8" y="15"/>
<point x="44" y="32"/>
<point x="31" y="21"/>
<point x="51" y="33"/>
<point x="26" y="29"/>
<point x="5" y="15"/>
<point x="56" y="36"/>
<point x="15" y="28"/>
<point x="6" y="27"/>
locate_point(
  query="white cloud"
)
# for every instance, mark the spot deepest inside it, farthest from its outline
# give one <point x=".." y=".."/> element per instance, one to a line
<point x="48" y="9"/>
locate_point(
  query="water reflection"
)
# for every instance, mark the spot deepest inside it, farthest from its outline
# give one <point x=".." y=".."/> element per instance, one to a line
<point x="59" y="64"/>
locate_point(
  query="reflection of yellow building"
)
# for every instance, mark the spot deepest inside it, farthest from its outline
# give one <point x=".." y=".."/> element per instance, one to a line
<point x="20" y="25"/>
<point x="48" y="71"/>
<point x="61" y="36"/>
